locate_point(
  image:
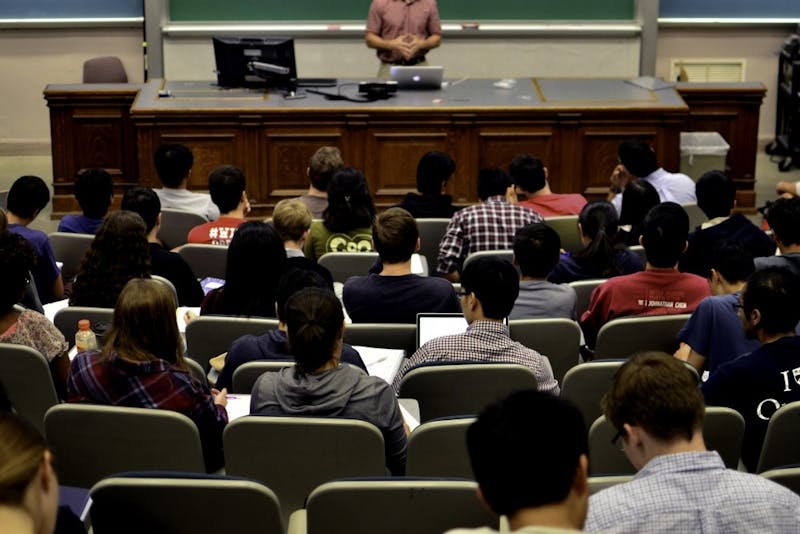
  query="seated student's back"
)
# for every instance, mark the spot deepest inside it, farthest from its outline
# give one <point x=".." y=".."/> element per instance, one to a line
<point x="94" y="189"/>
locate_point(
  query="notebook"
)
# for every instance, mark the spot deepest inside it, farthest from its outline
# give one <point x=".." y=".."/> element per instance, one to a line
<point x="417" y="77"/>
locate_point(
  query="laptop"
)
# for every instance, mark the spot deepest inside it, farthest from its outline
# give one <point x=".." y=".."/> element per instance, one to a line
<point x="417" y="77"/>
<point x="433" y="325"/>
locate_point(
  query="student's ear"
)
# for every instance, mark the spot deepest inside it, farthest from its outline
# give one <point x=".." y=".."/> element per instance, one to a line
<point x="158" y="219"/>
<point x="416" y="247"/>
<point x="581" y="482"/>
<point x="755" y="317"/>
<point x="685" y="246"/>
<point x="641" y="241"/>
<point x="546" y="173"/>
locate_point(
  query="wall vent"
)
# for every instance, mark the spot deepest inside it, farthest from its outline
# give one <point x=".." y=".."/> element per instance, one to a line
<point x="707" y="70"/>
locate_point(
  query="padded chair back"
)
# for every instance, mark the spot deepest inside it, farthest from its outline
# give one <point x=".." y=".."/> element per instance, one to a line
<point x="133" y="504"/>
<point x="462" y="389"/>
<point x="30" y="298"/>
<point x="205" y="260"/>
<point x="383" y="335"/>
<point x="66" y="319"/>
<point x="106" y="69"/>
<point x="196" y="370"/>
<point x="507" y="255"/>
<point x="604" y="457"/>
<point x="600" y="483"/>
<point x="294" y="455"/>
<point x="780" y="442"/>
<point x="439" y="449"/>
<point x="696" y="215"/>
<point x="4" y="199"/>
<point x="396" y="506"/>
<point x="788" y="477"/>
<point x="558" y="339"/>
<point x="25" y="374"/>
<point x="723" y="431"/>
<point x="431" y="232"/>
<point x="343" y="265"/>
<point x="176" y="224"/>
<point x="70" y="249"/>
<point x="91" y="442"/>
<point x="639" y="250"/>
<point x="208" y="336"/>
<point x="622" y="337"/>
<point x="245" y="376"/>
<point x="583" y="290"/>
<point x="585" y="384"/>
<point x="566" y="226"/>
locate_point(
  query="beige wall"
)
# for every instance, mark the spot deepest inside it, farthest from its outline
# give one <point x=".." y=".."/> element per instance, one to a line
<point x="31" y="59"/>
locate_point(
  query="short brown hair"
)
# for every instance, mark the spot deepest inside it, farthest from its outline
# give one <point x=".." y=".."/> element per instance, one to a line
<point x="325" y="161"/>
<point x="394" y="235"/>
<point x="657" y="392"/>
<point x="291" y="218"/>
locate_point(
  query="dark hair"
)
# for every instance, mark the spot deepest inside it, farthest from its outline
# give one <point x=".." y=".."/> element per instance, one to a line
<point x="17" y="259"/>
<point x="93" y="190"/>
<point x="515" y="465"/>
<point x="774" y="292"/>
<point x="494" y="282"/>
<point x="783" y="217"/>
<point x="256" y="261"/>
<point x="637" y="157"/>
<point x="657" y="392"/>
<point x="313" y="319"/>
<point x="349" y="202"/>
<point x="599" y="223"/>
<point x="226" y="184"/>
<point x="173" y="162"/>
<point x="145" y="202"/>
<point x="493" y="182"/>
<point x="433" y="170"/>
<point x="637" y="199"/>
<point x="118" y="253"/>
<point x="537" y="249"/>
<point x="395" y="235"/>
<point x="716" y="194"/>
<point x="527" y="172"/>
<point x="325" y="161"/>
<point x="27" y="196"/>
<point x="292" y="281"/>
<point x="732" y="260"/>
<point x="664" y="233"/>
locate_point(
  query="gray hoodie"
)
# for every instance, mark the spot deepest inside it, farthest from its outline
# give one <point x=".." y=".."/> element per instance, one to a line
<point x="345" y="392"/>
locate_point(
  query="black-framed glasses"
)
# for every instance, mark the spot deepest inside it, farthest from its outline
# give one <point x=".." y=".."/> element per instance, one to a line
<point x="463" y="292"/>
<point x="616" y="440"/>
<point x="737" y="307"/>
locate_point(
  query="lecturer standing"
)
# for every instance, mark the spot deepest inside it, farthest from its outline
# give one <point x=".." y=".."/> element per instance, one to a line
<point x="402" y="31"/>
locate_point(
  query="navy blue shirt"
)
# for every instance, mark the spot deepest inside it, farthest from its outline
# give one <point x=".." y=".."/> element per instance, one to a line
<point x="568" y="270"/>
<point x="397" y="299"/>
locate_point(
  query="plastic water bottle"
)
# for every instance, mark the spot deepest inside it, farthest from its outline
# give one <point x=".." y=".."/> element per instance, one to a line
<point x="84" y="337"/>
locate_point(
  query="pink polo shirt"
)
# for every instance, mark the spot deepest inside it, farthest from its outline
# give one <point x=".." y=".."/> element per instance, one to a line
<point x="392" y="18"/>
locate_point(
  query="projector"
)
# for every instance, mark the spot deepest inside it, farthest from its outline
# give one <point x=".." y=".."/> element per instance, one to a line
<point x="377" y="90"/>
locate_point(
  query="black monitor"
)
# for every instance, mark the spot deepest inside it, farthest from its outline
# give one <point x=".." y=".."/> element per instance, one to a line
<point x="255" y="62"/>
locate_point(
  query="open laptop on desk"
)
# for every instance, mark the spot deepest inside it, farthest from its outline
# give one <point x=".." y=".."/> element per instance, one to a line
<point x="433" y="325"/>
<point x="417" y="77"/>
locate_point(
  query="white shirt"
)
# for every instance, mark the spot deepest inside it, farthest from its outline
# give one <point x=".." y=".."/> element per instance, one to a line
<point x="183" y="199"/>
<point x="671" y="187"/>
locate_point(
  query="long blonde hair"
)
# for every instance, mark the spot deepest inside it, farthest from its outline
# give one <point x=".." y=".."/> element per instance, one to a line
<point x="144" y="326"/>
<point x="21" y="453"/>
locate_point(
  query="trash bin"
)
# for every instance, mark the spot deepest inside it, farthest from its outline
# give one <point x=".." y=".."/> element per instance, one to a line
<point x="702" y="152"/>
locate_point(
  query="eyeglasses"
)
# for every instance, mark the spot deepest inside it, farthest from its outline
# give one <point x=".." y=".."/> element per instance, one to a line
<point x="737" y="307"/>
<point x="617" y="439"/>
<point x="463" y="293"/>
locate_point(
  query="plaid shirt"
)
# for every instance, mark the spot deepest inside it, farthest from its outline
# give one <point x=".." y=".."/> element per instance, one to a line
<point x="153" y="384"/>
<point x="483" y="342"/>
<point x="489" y="225"/>
<point x="694" y="492"/>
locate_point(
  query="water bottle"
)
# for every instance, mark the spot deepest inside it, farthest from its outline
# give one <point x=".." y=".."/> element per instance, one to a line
<point x="84" y="337"/>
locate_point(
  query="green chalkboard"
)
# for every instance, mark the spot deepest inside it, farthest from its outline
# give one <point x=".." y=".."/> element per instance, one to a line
<point x="356" y="10"/>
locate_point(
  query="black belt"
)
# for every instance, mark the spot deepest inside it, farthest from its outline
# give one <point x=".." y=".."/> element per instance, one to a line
<point x="408" y="62"/>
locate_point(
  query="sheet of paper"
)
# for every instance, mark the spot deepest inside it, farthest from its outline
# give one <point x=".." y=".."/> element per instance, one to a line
<point x="383" y="363"/>
<point x="410" y="410"/>
<point x="180" y="315"/>
<point x="51" y="308"/>
<point x="238" y="406"/>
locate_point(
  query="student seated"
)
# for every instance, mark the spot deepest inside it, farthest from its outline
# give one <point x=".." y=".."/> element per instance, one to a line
<point x="530" y="176"/>
<point x="173" y="164"/>
<point x="226" y="184"/>
<point x="434" y="170"/>
<point x="94" y="189"/>
<point x="320" y="385"/>
<point x="325" y="161"/>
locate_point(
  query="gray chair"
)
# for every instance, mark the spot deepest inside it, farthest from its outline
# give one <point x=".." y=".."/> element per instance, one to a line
<point x="206" y="261"/>
<point x="176" y="224"/>
<point x="106" y="69"/>
<point x="343" y="265"/>
<point x="696" y="215"/>
<point x="92" y="442"/>
<point x="197" y="371"/>
<point x="431" y="232"/>
<point x="566" y="226"/>
<point x="583" y="290"/>
<point x="383" y="335"/>
<point x="780" y="442"/>
<point x="25" y="374"/>
<point x="209" y="335"/>
<point x="788" y="477"/>
<point x="603" y="482"/>
<point x="507" y="255"/>
<point x="245" y="376"/>
<point x="619" y="338"/>
<point x="585" y="384"/>
<point x="296" y="454"/>
<point x="4" y="199"/>
<point x="558" y="339"/>
<point x="462" y="389"/>
<point x="135" y="504"/>
<point x="604" y="457"/>
<point x="66" y="319"/>
<point x="396" y="507"/>
<point x="639" y="250"/>
<point x="439" y="449"/>
<point x="70" y="249"/>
